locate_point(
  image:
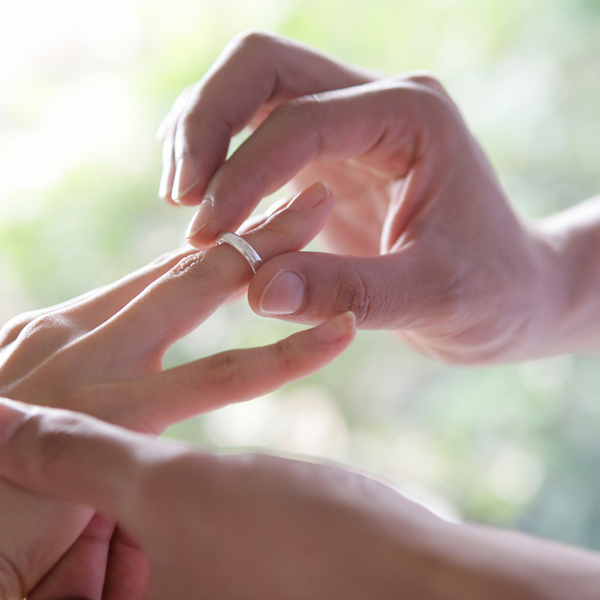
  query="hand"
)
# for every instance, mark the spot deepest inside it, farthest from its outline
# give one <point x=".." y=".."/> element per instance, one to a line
<point x="256" y="527"/>
<point x="435" y="250"/>
<point x="102" y="354"/>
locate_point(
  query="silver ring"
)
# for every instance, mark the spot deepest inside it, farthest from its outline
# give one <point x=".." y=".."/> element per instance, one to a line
<point x="243" y="247"/>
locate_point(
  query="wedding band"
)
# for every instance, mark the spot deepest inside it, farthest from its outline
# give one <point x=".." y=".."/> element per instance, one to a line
<point x="243" y="247"/>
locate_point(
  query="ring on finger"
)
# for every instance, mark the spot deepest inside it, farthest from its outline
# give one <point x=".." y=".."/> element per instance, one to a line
<point x="243" y="247"/>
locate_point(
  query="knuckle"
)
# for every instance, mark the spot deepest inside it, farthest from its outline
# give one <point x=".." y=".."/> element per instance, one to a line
<point x="200" y="111"/>
<point x="290" y="113"/>
<point x="436" y="104"/>
<point x="196" y="267"/>
<point x="424" y="87"/>
<point x="356" y="294"/>
<point x="297" y="110"/>
<point x="287" y="355"/>
<point x="302" y="116"/>
<point x="427" y="79"/>
<point x="41" y="325"/>
<point x="188" y="123"/>
<point x="178" y="106"/>
<point x="50" y="328"/>
<point x="206" y="115"/>
<point x="276" y="228"/>
<point x="228" y="368"/>
<point x="255" y="41"/>
<point x="437" y="119"/>
<point x="11" y="330"/>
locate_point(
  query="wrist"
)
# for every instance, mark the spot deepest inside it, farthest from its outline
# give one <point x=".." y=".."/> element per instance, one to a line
<point x="412" y="549"/>
<point x="447" y="561"/>
<point x="551" y="305"/>
<point x="539" y="303"/>
<point x="567" y="311"/>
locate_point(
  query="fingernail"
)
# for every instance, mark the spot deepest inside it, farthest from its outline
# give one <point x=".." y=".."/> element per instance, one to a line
<point x="186" y="177"/>
<point x="11" y="414"/>
<point x="163" y="188"/>
<point x="283" y="295"/>
<point x="336" y="328"/>
<point x="311" y="197"/>
<point x="201" y="218"/>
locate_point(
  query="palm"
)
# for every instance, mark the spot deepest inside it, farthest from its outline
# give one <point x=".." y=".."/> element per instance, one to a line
<point x="361" y="198"/>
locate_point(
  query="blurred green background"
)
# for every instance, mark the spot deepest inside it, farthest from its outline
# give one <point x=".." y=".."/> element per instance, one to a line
<point x="83" y="87"/>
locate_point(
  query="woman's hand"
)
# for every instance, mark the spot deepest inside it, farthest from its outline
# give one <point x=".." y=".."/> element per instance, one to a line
<point x="257" y="527"/>
<point x="102" y="354"/>
<point x="435" y="250"/>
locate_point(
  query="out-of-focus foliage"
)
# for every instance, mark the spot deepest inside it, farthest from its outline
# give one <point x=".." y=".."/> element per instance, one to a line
<point x="83" y="87"/>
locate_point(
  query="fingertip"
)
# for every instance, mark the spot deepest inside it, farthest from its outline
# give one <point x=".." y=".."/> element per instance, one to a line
<point x="185" y="180"/>
<point x="311" y="197"/>
<point x="200" y="220"/>
<point x="165" y="186"/>
<point x="337" y="328"/>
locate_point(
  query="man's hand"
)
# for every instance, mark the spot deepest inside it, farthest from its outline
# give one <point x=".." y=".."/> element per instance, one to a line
<point x="257" y="527"/>
<point x="425" y="241"/>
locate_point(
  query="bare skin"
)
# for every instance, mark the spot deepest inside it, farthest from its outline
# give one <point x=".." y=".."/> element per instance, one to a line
<point x="426" y="244"/>
<point x="256" y="527"/>
<point x="423" y="238"/>
<point x="102" y="354"/>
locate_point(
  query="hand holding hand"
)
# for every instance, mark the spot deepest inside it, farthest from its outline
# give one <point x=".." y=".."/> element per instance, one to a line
<point x="435" y="251"/>
<point x="102" y="354"/>
<point x="256" y="527"/>
<point x="222" y="527"/>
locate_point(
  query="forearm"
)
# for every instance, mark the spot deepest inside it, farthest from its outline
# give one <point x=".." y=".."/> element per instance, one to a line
<point x="492" y="563"/>
<point x="569" y="302"/>
<point x="449" y="561"/>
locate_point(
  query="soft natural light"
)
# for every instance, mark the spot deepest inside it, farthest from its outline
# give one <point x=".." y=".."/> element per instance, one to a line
<point x="84" y="85"/>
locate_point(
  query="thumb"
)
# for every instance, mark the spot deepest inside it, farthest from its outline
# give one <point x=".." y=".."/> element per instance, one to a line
<point x="391" y="291"/>
<point x="76" y="458"/>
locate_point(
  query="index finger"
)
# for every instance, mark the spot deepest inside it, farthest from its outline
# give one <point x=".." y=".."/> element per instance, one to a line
<point x="256" y="72"/>
<point x="387" y="127"/>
